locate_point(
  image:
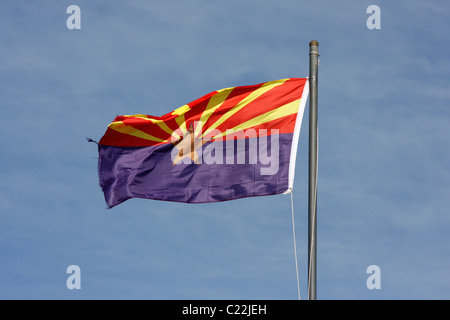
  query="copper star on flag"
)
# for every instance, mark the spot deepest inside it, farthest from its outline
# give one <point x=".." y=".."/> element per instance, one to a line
<point x="188" y="145"/>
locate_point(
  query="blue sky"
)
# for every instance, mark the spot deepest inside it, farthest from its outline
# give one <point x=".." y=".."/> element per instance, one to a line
<point x="384" y="131"/>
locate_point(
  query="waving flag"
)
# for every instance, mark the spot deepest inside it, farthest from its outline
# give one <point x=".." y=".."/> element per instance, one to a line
<point x="231" y="143"/>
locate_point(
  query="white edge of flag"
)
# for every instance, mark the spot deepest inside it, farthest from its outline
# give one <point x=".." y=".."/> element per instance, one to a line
<point x="298" y="124"/>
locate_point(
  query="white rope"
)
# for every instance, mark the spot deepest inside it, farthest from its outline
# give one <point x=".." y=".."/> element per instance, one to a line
<point x="295" y="246"/>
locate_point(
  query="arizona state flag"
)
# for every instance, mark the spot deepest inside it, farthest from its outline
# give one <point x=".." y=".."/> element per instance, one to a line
<point x="231" y="143"/>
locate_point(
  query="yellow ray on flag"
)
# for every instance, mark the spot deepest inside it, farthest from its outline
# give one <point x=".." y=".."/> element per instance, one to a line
<point x="123" y="128"/>
<point x="251" y="97"/>
<point x="287" y="109"/>
<point x="214" y="103"/>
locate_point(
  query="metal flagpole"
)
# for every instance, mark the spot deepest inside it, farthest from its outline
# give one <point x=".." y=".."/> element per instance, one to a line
<point x="313" y="165"/>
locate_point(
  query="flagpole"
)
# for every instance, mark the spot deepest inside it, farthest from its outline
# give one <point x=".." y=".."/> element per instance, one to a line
<point x="313" y="165"/>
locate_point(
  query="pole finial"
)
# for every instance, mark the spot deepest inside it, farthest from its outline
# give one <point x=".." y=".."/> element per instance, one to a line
<point x="314" y="43"/>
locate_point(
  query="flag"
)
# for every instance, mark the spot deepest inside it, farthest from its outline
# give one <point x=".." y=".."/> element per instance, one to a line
<point x="231" y="143"/>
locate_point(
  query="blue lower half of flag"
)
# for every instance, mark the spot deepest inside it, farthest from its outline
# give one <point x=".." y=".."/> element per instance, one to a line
<point x="220" y="171"/>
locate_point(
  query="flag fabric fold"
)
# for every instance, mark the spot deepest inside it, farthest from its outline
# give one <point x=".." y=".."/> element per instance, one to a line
<point x="231" y="143"/>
